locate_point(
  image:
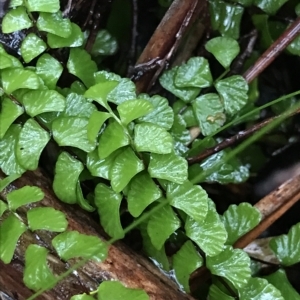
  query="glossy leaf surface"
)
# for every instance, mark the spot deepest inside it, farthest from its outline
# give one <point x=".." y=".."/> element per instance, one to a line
<point x="32" y="140"/>
<point x="113" y="138"/>
<point x="96" y="121"/>
<point x="270" y="7"/>
<point x="258" y="288"/>
<point x="209" y="234"/>
<point x="133" y="109"/>
<point x="162" y="114"/>
<point x="10" y="111"/>
<point x="124" y="91"/>
<point x="41" y="218"/>
<point x="72" y="131"/>
<point x="195" y="73"/>
<point x="37" y="274"/>
<point x="67" y="171"/>
<point x="224" y="49"/>
<point x="70" y="244"/>
<point x="108" y="203"/>
<point x="54" y="23"/>
<point x="232" y="264"/>
<point x="185" y="261"/>
<point x="233" y="90"/>
<point x="152" y="138"/>
<point x="16" y="19"/>
<point x="49" y="69"/>
<point x="105" y="44"/>
<point x="161" y="225"/>
<point x="10" y="231"/>
<point x="114" y="290"/>
<point x="209" y="111"/>
<point x="167" y="80"/>
<point x="32" y="46"/>
<point x="50" y="6"/>
<point x="124" y="168"/>
<point x="3" y="207"/>
<point x="168" y="166"/>
<point x="81" y="65"/>
<point x="142" y="192"/>
<point x="240" y="219"/>
<point x="190" y="198"/>
<point x="286" y="246"/>
<point x="25" y="195"/>
<point x="37" y="102"/>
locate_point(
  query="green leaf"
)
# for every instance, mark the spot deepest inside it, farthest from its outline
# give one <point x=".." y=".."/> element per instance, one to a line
<point x="114" y="290"/>
<point x="10" y="231"/>
<point x="240" y="219"/>
<point x="49" y="69"/>
<point x="72" y="131"/>
<point x="195" y="73"/>
<point x="54" y="23"/>
<point x="258" y="288"/>
<point x="100" y="91"/>
<point x="70" y="244"/>
<point x="51" y="101"/>
<point x="168" y="166"/>
<point x="16" y="19"/>
<point x="113" y="137"/>
<point x="75" y="39"/>
<point x="233" y="90"/>
<point x="8" y="180"/>
<point x="32" y="46"/>
<point x="152" y="138"/>
<point x="96" y="121"/>
<point x="67" y="171"/>
<point x="215" y="294"/>
<point x="225" y="171"/>
<point x="159" y="257"/>
<point x="50" y="6"/>
<point x="185" y="261"/>
<point x="32" y="140"/>
<point x="78" y="106"/>
<point x="7" y="61"/>
<point x="209" y="111"/>
<point x="161" y="115"/>
<point x="41" y="218"/>
<point x="192" y="199"/>
<point x="101" y="167"/>
<point x="82" y="297"/>
<point x="8" y="161"/>
<point x="10" y="111"/>
<point x="124" y="91"/>
<point x="125" y="167"/>
<point x="23" y="196"/>
<point x="179" y="131"/>
<point x="161" y="225"/>
<point x="17" y="78"/>
<point x="286" y="246"/>
<point x="142" y="192"/>
<point x="105" y="44"/>
<point x="37" y="274"/>
<point x="224" y="49"/>
<point x="269" y="7"/>
<point x="108" y="203"/>
<point x="281" y="282"/>
<point x="167" y="80"/>
<point x="209" y="234"/>
<point x="81" y="65"/>
<point x="226" y="17"/>
<point x="133" y="109"/>
<point x="104" y="76"/>
<point x="232" y="264"/>
<point x="82" y="202"/>
<point x="3" y="207"/>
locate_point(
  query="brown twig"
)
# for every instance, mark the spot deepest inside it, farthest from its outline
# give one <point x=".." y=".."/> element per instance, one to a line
<point x="232" y="140"/>
<point x="273" y="51"/>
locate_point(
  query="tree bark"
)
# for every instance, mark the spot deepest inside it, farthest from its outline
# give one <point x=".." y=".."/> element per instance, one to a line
<point x="122" y="264"/>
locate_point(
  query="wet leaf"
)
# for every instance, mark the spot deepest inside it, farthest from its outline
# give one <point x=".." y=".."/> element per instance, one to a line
<point x="32" y="46"/>
<point x="270" y="7"/>
<point x="105" y="44"/>
<point x="108" y="203"/>
<point x="70" y="244"/>
<point x="16" y="19"/>
<point x="50" y="6"/>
